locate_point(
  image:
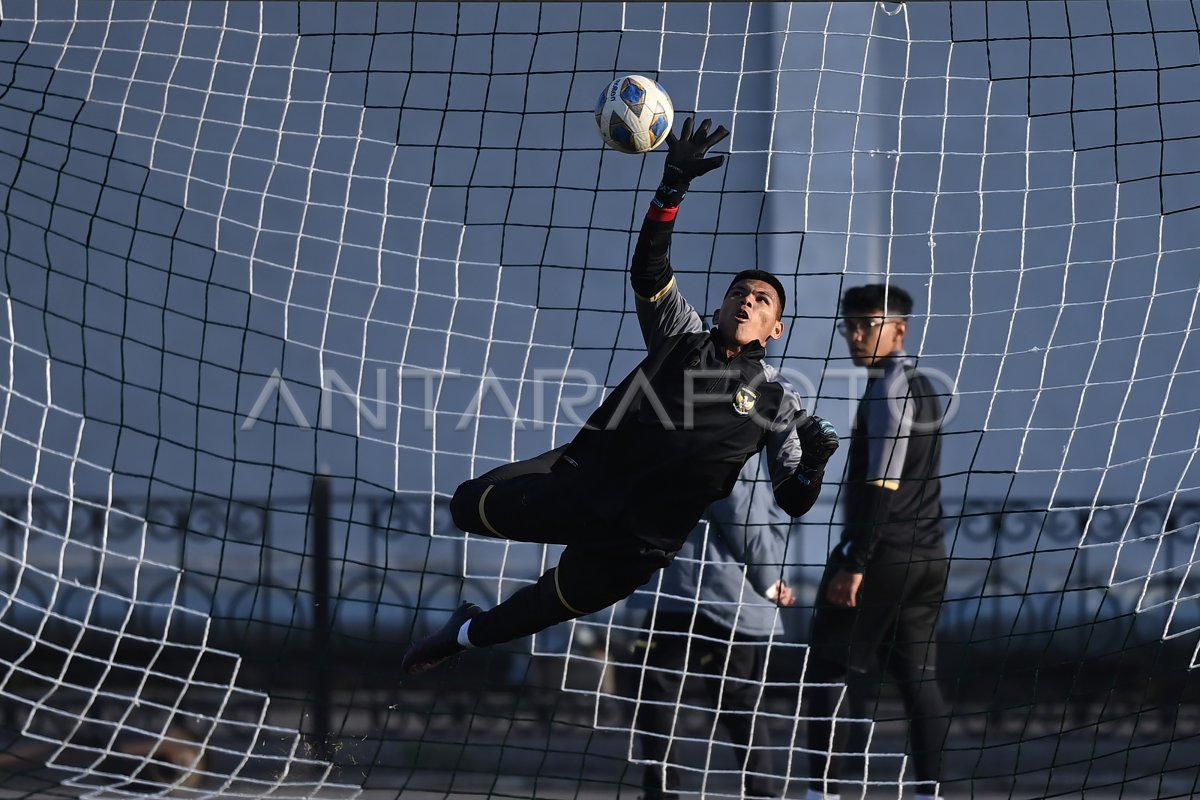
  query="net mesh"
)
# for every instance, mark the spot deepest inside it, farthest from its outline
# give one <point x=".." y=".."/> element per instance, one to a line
<point x="253" y="249"/>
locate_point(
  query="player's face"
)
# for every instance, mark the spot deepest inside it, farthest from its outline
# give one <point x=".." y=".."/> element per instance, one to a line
<point x="872" y="335"/>
<point x="749" y="313"/>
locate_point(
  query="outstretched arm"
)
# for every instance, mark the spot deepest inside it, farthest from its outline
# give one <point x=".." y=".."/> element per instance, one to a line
<point x="662" y="310"/>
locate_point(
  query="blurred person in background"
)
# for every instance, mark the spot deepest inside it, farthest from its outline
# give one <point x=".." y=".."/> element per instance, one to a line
<point x="883" y="586"/>
<point x="714" y="615"/>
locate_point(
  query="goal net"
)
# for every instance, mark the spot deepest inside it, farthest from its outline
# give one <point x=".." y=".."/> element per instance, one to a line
<point x="279" y="276"/>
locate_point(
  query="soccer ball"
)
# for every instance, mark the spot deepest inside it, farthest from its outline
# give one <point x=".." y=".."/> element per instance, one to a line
<point x="634" y="114"/>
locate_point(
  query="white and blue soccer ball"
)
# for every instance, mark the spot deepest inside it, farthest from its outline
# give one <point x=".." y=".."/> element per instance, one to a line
<point x="634" y="114"/>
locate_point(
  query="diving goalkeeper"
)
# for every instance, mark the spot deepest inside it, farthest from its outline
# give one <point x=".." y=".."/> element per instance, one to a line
<point x="668" y="441"/>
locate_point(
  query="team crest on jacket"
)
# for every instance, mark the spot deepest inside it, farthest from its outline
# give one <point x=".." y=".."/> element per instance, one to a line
<point x="744" y="399"/>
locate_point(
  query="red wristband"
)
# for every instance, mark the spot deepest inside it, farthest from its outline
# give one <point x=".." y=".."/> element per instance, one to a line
<point x="658" y="213"/>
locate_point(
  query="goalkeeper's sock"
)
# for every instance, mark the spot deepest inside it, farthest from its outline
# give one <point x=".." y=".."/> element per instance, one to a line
<point x="463" y="638"/>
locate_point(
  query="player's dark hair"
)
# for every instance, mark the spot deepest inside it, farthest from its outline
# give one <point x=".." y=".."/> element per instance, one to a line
<point x="765" y="277"/>
<point x="891" y="300"/>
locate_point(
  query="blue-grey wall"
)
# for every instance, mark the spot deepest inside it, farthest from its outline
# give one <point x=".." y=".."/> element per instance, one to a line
<point x="218" y="204"/>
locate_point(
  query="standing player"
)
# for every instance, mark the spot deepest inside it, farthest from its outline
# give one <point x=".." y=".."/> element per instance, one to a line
<point x="714" y="615"/>
<point x="879" y="598"/>
<point x="666" y="443"/>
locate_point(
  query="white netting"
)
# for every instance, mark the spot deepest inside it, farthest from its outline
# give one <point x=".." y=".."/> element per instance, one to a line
<point x="118" y="712"/>
<point x="226" y="219"/>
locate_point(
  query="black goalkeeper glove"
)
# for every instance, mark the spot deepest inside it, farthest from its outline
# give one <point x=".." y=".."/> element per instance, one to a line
<point x="818" y="441"/>
<point x="686" y="160"/>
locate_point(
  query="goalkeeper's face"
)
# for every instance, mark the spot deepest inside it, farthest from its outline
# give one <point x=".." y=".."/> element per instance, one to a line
<point x="749" y="313"/>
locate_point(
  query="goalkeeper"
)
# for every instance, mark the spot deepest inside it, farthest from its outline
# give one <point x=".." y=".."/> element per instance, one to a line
<point x="878" y="602"/>
<point x="668" y="441"/>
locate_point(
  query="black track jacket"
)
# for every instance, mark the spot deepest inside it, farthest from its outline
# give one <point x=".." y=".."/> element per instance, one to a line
<point x="673" y="436"/>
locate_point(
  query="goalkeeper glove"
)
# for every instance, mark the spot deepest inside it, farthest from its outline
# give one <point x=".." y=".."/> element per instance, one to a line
<point x="686" y="160"/>
<point x="818" y="441"/>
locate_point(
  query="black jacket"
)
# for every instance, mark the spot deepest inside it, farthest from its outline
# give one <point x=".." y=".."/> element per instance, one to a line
<point x="674" y="435"/>
<point x="893" y="473"/>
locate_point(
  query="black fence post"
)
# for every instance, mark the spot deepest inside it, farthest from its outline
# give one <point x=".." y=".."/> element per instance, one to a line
<point x="322" y="618"/>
